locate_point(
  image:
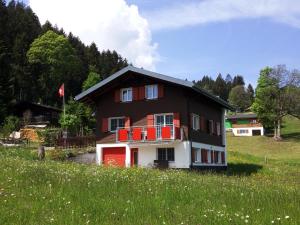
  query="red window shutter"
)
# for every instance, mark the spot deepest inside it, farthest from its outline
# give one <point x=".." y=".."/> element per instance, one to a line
<point x="223" y="157"/>
<point x="215" y="128"/>
<point x="135" y="94"/>
<point x="117" y="95"/>
<point x="176" y="120"/>
<point x="160" y="90"/>
<point x="127" y="122"/>
<point x="150" y="120"/>
<point x="203" y="127"/>
<point x="141" y="93"/>
<point x="104" y="124"/>
<point x="203" y="155"/>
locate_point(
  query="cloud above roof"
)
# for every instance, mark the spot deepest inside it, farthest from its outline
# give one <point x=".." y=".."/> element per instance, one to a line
<point x="111" y="24"/>
<point x="189" y="13"/>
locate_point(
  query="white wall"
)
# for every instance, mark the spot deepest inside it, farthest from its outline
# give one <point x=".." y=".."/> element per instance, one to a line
<point x="182" y="150"/>
<point x="235" y="131"/>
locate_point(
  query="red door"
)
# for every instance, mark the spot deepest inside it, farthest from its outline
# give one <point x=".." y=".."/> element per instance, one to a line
<point x="114" y="156"/>
<point x="134" y="157"/>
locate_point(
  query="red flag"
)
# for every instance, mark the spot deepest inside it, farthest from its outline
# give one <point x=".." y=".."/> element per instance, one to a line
<point x="61" y="90"/>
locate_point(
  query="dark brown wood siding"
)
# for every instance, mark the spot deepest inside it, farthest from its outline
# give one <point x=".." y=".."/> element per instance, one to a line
<point x="173" y="101"/>
<point x="209" y="111"/>
<point x="176" y="99"/>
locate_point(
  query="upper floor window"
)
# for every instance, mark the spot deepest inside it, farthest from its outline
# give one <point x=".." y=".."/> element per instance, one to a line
<point x="116" y="122"/>
<point x="218" y="129"/>
<point x="151" y="91"/>
<point x="196" y="122"/>
<point x="126" y="94"/>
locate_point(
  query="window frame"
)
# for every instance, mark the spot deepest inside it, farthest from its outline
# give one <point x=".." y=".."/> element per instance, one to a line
<point x="153" y="92"/>
<point x="126" y="90"/>
<point x="195" y="118"/>
<point x="165" y="154"/>
<point x="118" y="123"/>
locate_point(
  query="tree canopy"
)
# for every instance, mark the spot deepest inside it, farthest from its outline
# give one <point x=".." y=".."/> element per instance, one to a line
<point x="239" y="98"/>
<point x="277" y="95"/>
<point x="34" y="75"/>
<point x="57" y="63"/>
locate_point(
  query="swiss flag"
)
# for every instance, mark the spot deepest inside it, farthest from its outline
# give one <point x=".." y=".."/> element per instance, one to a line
<point x="61" y="90"/>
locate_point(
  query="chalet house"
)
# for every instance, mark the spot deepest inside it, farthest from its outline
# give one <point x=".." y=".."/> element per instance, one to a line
<point x="148" y="119"/>
<point x="244" y="125"/>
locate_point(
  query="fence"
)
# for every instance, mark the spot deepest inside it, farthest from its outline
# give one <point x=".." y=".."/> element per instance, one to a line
<point x="76" y="142"/>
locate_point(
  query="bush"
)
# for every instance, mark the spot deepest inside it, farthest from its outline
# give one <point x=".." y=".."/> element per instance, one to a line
<point x="49" y="136"/>
<point x="11" y="123"/>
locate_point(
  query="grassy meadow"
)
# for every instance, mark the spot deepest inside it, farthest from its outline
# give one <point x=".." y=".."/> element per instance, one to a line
<point x="250" y="192"/>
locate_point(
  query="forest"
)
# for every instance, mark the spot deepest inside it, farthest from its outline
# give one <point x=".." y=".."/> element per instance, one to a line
<point x="36" y="59"/>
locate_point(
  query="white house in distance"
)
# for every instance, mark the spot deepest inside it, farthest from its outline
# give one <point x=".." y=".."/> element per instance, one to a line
<point x="246" y="124"/>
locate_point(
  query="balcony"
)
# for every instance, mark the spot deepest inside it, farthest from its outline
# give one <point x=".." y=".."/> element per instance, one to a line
<point x="156" y="133"/>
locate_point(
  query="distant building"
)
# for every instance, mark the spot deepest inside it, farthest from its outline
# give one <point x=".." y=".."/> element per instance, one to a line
<point x="36" y="115"/>
<point x="244" y="125"/>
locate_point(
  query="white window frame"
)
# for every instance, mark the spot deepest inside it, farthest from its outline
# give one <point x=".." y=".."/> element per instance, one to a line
<point x="129" y="97"/>
<point x="196" y="121"/>
<point x="209" y="159"/>
<point x="109" y="123"/>
<point x="243" y="131"/>
<point x="154" y="95"/>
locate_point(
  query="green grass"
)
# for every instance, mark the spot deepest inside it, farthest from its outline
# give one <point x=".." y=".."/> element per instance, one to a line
<point x="250" y="192"/>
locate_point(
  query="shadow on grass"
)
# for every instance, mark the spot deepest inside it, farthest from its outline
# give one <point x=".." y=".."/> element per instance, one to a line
<point x="291" y="136"/>
<point x="242" y="169"/>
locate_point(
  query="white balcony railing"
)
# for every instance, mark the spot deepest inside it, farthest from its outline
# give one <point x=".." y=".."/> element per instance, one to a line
<point x="154" y="133"/>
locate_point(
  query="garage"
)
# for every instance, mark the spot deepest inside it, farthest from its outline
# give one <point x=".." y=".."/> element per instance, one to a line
<point x="114" y="156"/>
<point x="256" y="132"/>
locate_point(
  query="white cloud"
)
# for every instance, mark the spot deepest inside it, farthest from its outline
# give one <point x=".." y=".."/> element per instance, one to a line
<point x="209" y="11"/>
<point x="111" y="24"/>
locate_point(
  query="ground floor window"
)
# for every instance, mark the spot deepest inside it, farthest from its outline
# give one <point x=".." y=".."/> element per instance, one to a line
<point x="243" y="131"/>
<point x="166" y="154"/>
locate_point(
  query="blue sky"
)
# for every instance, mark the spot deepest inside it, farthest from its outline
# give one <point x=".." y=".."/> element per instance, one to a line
<point x="242" y="46"/>
<point x="189" y="39"/>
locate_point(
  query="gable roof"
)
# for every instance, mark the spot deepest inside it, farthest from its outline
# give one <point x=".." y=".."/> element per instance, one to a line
<point x="242" y="116"/>
<point x="159" y="76"/>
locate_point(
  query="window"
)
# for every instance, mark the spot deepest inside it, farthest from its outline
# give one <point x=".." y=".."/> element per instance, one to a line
<point x="218" y="129"/>
<point x="126" y="94"/>
<point x="151" y="91"/>
<point x="242" y="131"/>
<point x="165" y="154"/>
<point x="162" y="120"/>
<point x="196" y="122"/>
<point x="196" y="155"/>
<point x="116" y="122"/>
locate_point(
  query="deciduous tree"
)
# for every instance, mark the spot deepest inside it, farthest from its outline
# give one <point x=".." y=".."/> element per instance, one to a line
<point x="277" y="95"/>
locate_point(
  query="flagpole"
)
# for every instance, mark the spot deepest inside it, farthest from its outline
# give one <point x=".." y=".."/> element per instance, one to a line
<point x="64" y="108"/>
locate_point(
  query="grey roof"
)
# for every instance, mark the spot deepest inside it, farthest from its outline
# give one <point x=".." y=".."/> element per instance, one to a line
<point x="154" y="75"/>
<point x="242" y="116"/>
